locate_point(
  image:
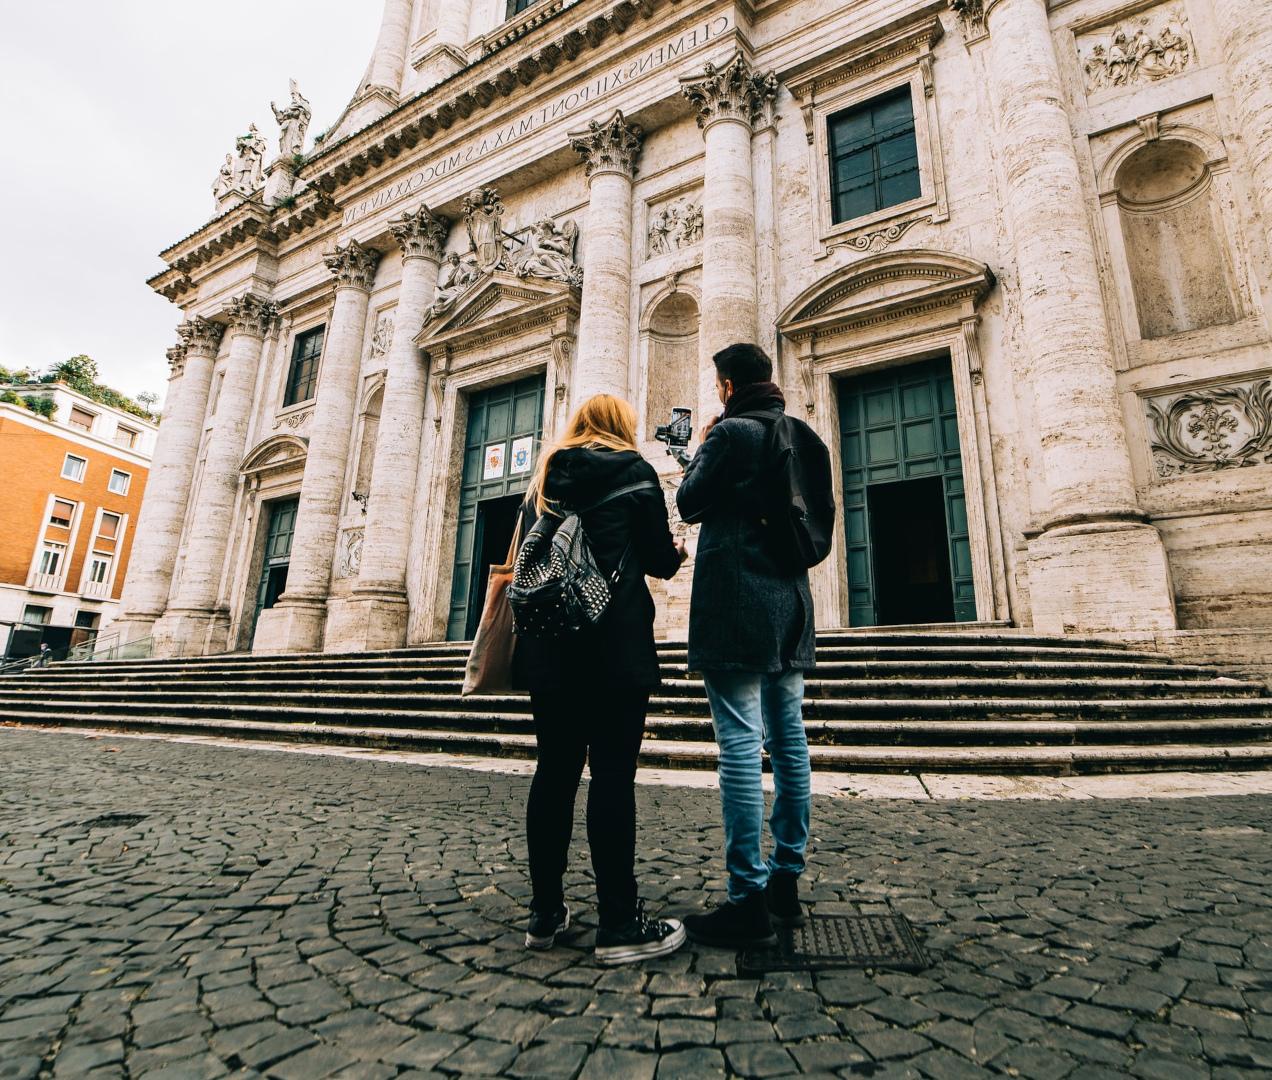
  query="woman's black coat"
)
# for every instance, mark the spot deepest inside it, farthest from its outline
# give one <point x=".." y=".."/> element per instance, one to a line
<point x="745" y="613"/>
<point x="618" y="651"/>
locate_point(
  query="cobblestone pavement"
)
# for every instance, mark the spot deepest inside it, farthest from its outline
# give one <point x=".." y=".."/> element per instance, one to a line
<point x="298" y="917"/>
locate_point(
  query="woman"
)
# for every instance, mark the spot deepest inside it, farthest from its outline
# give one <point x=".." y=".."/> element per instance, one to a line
<point x="589" y="691"/>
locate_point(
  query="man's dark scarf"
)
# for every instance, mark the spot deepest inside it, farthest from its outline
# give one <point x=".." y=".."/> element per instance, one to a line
<point x="755" y="397"/>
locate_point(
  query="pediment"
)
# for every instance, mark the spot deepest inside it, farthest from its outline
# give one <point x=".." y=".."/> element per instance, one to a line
<point x="276" y="452"/>
<point x="885" y="286"/>
<point x="498" y="303"/>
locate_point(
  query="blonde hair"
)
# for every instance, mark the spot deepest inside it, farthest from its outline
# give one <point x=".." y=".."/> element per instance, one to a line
<point x="601" y="421"/>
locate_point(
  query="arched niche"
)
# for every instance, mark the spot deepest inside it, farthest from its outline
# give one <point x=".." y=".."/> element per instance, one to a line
<point x="670" y="332"/>
<point x="1173" y="236"/>
<point x="368" y="433"/>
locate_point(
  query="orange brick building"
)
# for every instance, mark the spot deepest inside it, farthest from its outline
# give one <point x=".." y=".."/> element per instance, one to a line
<point x="71" y="490"/>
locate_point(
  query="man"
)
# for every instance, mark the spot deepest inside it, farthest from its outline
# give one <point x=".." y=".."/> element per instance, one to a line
<point x="751" y="637"/>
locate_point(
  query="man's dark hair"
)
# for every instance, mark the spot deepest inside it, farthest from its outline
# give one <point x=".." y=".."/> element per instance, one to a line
<point x="743" y="364"/>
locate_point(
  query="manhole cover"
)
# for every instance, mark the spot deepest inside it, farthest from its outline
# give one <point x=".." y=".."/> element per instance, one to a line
<point x="115" y="821"/>
<point x="839" y="941"/>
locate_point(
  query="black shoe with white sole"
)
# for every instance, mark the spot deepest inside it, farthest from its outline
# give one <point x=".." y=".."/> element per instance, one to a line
<point x="640" y="939"/>
<point x="543" y="929"/>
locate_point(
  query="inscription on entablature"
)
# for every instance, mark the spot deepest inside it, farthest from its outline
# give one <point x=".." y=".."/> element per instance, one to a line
<point x="653" y="59"/>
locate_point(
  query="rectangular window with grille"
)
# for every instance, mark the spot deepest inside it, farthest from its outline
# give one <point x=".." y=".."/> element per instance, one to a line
<point x="302" y="377"/>
<point x="874" y="159"/>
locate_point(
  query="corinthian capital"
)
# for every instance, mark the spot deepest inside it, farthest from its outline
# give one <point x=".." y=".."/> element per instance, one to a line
<point x="176" y="361"/>
<point x="729" y="91"/>
<point x="609" y="145"/>
<point x="420" y="234"/>
<point x="200" y="335"/>
<point x="353" y="266"/>
<point x="251" y="314"/>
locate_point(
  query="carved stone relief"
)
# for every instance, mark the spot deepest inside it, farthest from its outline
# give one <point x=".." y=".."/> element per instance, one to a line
<point x="295" y="421"/>
<point x="675" y="225"/>
<point x="382" y="337"/>
<point x="876" y="240"/>
<point x="1144" y="48"/>
<point x="1217" y="427"/>
<point x="349" y="553"/>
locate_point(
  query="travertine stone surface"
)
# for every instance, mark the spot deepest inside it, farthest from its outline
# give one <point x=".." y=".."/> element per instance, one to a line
<point x="375" y="616"/>
<point x="295" y="623"/>
<point x="250" y="319"/>
<point x="729" y="98"/>
<point x="158" y="534"/>
<point x="1084" y="453"/>
<point x="609" y="150"/>
<point x="1245" y="28"/>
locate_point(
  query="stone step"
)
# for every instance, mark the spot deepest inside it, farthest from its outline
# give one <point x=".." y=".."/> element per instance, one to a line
<point x="273" y="690"/>
<point x="874" y="671"/>
<point x="490" y="710"/>
<point x="702" y="754"/>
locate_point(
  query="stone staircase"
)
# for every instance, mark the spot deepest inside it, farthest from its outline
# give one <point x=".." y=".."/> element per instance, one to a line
<point x="969" y="700"/>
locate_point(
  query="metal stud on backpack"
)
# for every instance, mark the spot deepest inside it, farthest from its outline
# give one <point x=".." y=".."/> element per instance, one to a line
<point x="557" y="587"/>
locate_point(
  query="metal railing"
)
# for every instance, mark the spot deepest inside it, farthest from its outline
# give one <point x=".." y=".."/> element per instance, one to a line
<point x="111" y="648"/>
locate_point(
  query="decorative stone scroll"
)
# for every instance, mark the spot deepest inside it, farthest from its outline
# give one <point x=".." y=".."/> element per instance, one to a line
<point x="1218" y="427"/>
<point x="200" y="335"/>
<point x="730" y="91"/>
<point x="251" y="314"/>
<point x="420" y="233"/>
<point x="1145" y="48"/>
<point x="675" y="226"/>
<point x="349" y="555"/>
<point x="353" y="266"/>
<point x="611" y="145"/>
<point x="176" y="361"/>
<point x="876" y="240"/>
<point x="295" y="420"/>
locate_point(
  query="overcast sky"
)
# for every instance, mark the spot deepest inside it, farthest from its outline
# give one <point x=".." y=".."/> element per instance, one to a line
<point x="117" y="114"/>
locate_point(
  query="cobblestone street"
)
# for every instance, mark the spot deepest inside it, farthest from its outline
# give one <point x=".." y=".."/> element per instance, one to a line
<point x="204" y="911"/>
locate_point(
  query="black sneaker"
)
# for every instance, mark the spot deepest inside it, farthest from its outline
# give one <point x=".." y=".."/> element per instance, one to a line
<point x="733" y="926"/>
<point x="640" y="939"/>
<point x="543" y="929"/>
<point x="781" y="895"/>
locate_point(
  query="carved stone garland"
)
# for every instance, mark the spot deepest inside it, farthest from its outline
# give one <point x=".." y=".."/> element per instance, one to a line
<point x="1221" y="427"/>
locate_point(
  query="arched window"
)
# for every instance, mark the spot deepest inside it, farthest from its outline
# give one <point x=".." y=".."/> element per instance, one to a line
<point x="672" y="379"/>
<point x="1174" y="240"/>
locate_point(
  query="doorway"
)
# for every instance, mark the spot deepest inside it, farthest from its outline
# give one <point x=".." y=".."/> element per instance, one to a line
<point x="501" y="447"/>
<point x="277" y="555"/>
<point x="905" y="516"/>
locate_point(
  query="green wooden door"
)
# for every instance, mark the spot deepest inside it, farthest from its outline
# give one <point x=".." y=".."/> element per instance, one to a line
<point x="897" y="425"/>
<point x="501" y="445"/>
<point x="278" y="543"/>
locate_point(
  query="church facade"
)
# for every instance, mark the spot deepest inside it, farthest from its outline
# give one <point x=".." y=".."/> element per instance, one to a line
<point x="1013" y="261"/>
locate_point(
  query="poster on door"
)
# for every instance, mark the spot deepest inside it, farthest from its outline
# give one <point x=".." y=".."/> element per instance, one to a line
<point x="495" y="461"/>
<point x="522" y="455"/>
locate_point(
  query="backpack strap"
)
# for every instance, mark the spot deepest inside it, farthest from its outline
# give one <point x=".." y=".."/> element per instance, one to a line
<point x="625" y="490"/>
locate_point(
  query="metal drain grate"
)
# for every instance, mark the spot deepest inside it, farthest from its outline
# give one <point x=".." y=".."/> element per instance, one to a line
<point x="115" y="821"/>
<point x="839" y="941"/>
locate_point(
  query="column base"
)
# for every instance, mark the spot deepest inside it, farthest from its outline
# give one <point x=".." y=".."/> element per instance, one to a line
<point x="367" y="621"/>
<point x="291" y="626"/>
<point x="1107" y="577"/>
<point x="129" y="628"/>
<point x="189" y="632"/>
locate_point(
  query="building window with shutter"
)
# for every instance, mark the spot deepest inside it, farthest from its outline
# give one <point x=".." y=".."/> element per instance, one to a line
<point x="63" y="513"/>
<point x="109" y="528"/>
<point x="81" y="418"/>
<point x="874" y="159"/>
<point x="125" y="437"/>
<point x="99" y="568"/>
<point x="302" y="377"/>
<point x="51" y="558"/>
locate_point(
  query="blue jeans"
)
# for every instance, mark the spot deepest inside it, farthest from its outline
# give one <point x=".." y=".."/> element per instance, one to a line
<point x="750" y="710"/>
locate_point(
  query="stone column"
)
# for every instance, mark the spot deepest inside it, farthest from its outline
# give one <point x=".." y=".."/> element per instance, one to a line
<point x="375" y="616"/>
<point x="1245" y="27"/>
<point x="1096" y="565"/>
<point x="388" y="61"/>
<point x="730" y="99"/>
<point x="609" y="150"/>
<point x="184" y="627"/>
<point x="296" y="623"/>
<point x="157" y="532"/>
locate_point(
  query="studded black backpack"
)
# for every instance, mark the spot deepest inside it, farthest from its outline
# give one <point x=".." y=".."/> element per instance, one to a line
<point x="557" y="587"/>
